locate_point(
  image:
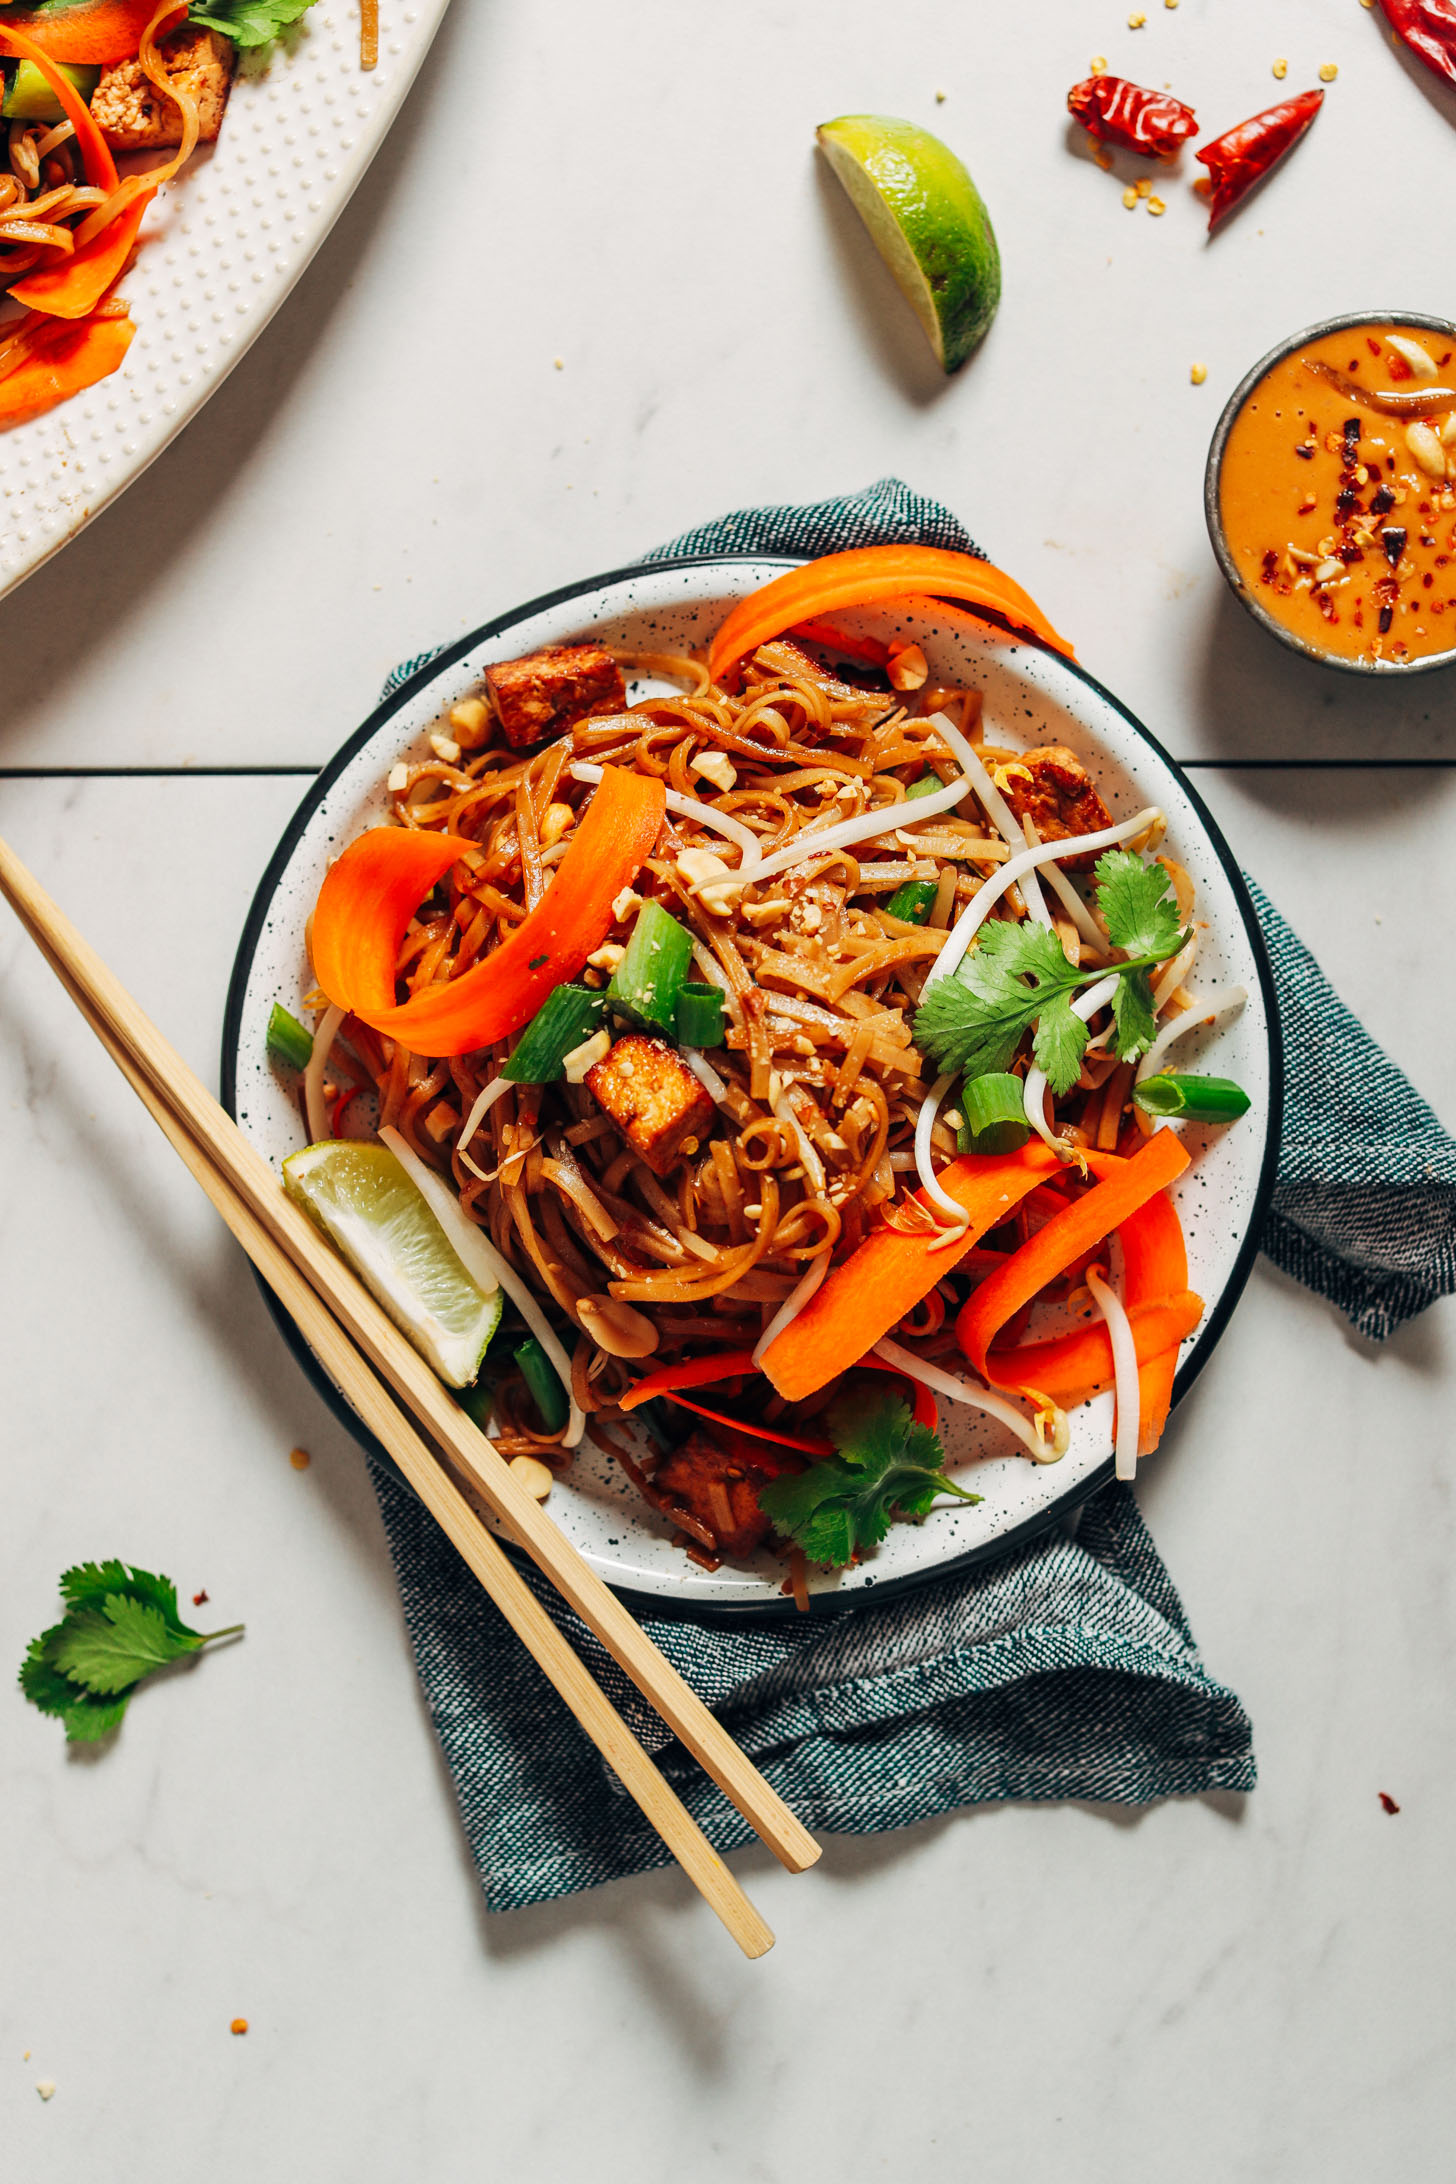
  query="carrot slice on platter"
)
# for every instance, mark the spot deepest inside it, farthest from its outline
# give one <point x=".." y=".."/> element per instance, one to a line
<point x="73" y="288"/>
<point x="74" y="359"/>
<point x="91" y="32"/>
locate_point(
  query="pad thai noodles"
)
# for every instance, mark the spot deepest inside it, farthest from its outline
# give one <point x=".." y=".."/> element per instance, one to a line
<point x="782" y="1038"/>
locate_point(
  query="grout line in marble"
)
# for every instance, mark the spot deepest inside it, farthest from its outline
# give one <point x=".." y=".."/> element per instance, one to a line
<point x="281" y="773"/>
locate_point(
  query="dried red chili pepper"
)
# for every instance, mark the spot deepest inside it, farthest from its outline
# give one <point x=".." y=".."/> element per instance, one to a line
<point x="1428" y="27"/>
<point x="1238" y="158"/>
<point x="1124" y="113"/>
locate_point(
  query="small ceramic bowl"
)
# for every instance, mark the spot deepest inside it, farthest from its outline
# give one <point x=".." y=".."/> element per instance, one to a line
<point x="1213" y="505"/>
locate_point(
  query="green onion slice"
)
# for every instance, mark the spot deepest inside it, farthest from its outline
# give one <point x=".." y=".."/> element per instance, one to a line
<point x="565" y="1018"/>
<point x="651" y="974"/>
<point x="927" y="785"/>
<point x="287" y="1040"/>
<point x="477" y="1401"/>
<point x="995" y="1112"/>
<point x="1196" y="1099"/>
<point x="912" y="901"/>
<point x="540" y="1377"/>
<point x="698" y="1018"/>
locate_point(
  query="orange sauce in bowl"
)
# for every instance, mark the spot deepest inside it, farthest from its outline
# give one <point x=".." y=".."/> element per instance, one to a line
<point x="1337" y="493"/>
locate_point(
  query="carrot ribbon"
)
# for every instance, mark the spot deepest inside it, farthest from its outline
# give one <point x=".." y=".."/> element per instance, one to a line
<point x="75" y="286"/>
<point x="869" y="576"/>
<point x="95" y="155"/>
<point x="862" y="1299"/>
<point x="91" y="32"/>
<point x="374" y="889"/>
<point x="74" y="360"/>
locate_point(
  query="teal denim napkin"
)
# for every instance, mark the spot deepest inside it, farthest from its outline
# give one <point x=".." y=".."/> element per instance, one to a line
<point x="1063" y="1669"/>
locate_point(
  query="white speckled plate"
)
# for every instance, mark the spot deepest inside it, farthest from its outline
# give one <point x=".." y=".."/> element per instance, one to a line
<point x="1030" y="697"/>
<point x="220" y="249"/>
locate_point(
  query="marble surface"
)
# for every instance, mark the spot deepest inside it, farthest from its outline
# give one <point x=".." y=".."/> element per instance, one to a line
<point x="1255" y="1989"/>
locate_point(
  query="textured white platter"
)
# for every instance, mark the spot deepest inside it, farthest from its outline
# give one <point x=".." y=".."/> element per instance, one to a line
<point x="220" y="249"/>
<point x="1030" y="697"/>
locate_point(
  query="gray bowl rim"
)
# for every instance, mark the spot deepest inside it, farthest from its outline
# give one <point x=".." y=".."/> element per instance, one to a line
<point x="1213" y="475"/>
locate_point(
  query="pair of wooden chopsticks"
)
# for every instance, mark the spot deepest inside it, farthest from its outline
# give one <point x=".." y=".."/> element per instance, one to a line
<point x="360" y="1348"/>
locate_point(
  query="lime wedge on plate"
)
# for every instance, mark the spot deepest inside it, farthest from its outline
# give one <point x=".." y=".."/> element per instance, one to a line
<point x="926" y="219"/>
<point x="364" y="1202"/>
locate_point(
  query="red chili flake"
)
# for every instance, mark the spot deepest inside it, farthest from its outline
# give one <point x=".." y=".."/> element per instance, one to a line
<point x="198" y="1599"/>
<point x="1399" y="369"/>
<point x="1372" y="346"/>
<point x="1428" y="27"/>
<point x="1242" y="155"/>
<point x="1388" y="1802"/>
<point x="1124" y="113"/>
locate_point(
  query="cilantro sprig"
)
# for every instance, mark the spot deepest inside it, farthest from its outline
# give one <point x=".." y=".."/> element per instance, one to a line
<point x="120" y="1625"/>
<point x="886" y="1466"/>
<point x="247" y="22"/>
<point x="1017" y="980"/>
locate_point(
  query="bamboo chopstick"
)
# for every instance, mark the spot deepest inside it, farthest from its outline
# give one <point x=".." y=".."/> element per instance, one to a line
<point x="130" y="1033"/>
<point x="426" y="1474"/>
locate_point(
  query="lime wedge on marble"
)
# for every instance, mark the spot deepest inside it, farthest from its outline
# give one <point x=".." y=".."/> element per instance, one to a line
<point x="926" y="219"/>
<point x="364" y="1202"/>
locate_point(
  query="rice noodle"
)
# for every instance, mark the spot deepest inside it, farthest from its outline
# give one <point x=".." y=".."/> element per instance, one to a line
<point x="1202" y="1009"/>
<point x="793" y="1304"/>
<point x="706" y="1075"/>
<point x="315" y="1105"/>
<point x="1086" y="1006"/>
<point x="1125" y="1371"/>
<point x="823" y="1123"/>
<point x="495" y="1090"/>
<point x="989" y="893"/>
<point x="976" y="1396"/>
<point x="706" y="815"/>
<point x="974" y="766"/>
<point x="484" y="1255"/>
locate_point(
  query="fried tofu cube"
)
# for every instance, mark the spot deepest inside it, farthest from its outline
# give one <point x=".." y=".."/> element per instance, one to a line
<point x="132" y="114"/>
<point x="653" y="1098"/>
<point x="720" y="1490"/>
<point x="1058" y="799"/>
<point x="549" y="691"/>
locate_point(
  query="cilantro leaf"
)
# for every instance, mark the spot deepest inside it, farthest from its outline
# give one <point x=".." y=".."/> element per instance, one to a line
<point x="120" y="1624"/>
<point x="84" y="1716"/>
<point x="248" y="22"/>
<point x="112" y="1647"/>
<point x="1132" y="1014"/>
<point x="1138" y="904"/>
<point x="88" y="1584"/>
<point x="1058" y="1042"/>
<point x="974" y="1022"/>
<point x="885" y="1466"/>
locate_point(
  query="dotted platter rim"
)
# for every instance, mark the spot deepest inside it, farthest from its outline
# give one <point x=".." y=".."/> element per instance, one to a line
<point x="222" y="248"/>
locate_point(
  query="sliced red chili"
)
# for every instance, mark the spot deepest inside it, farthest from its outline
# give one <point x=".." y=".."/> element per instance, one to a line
<point x="341" y="1107"/>
<point x="1124" y="113"/>
<point x="1428" y="27"/>
<point x="1242" y="155"/>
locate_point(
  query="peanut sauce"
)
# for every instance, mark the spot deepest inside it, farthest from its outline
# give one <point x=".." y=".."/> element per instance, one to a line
<point x="1340" y="516"/>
